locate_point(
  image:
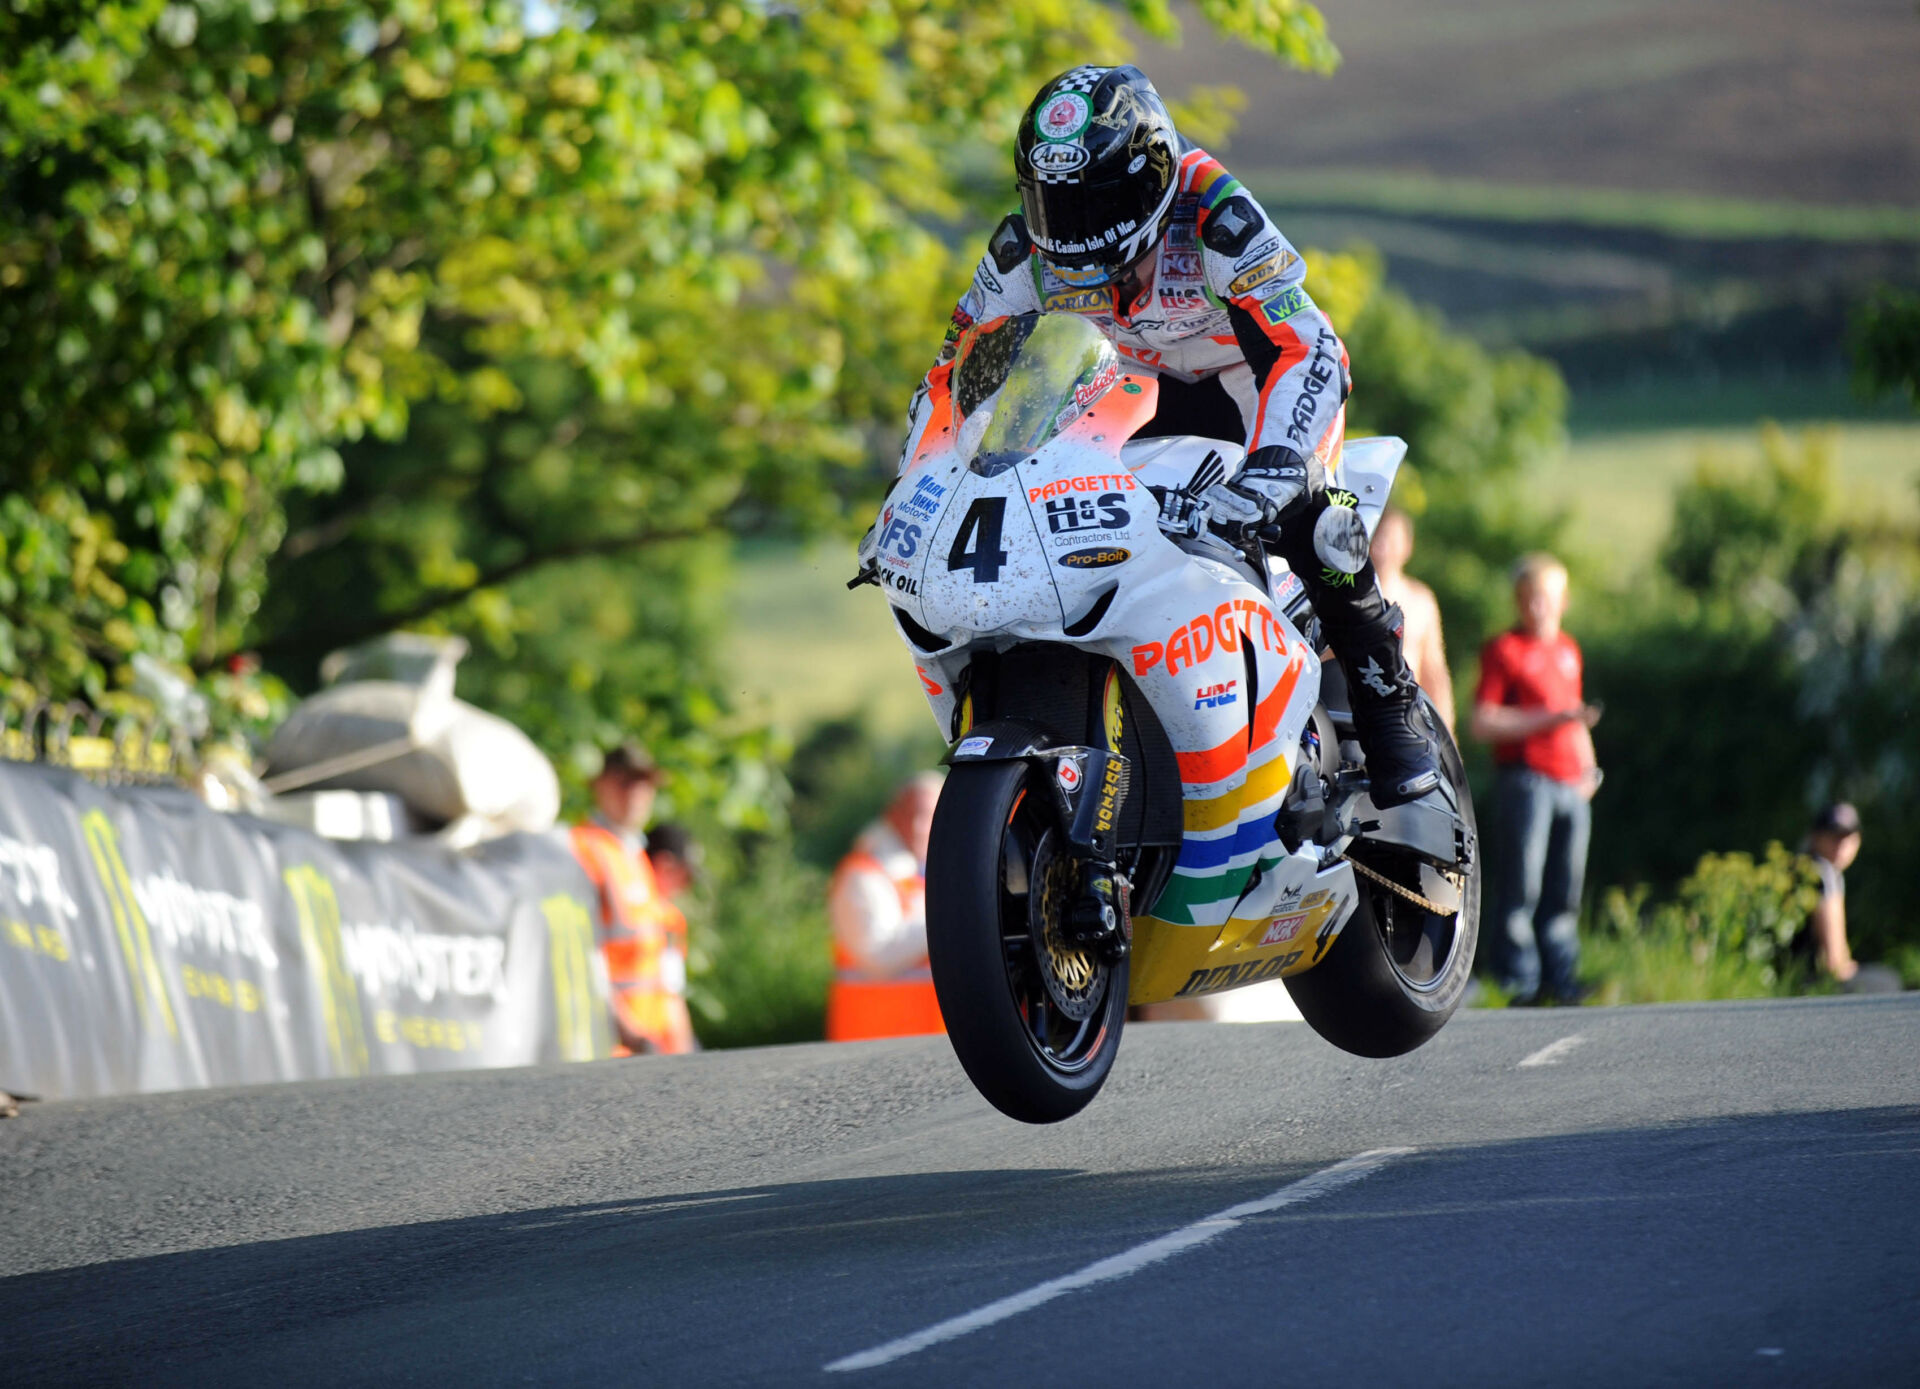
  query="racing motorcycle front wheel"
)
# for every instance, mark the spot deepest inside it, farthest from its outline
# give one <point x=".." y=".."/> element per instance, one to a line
<point x="1034" y="1019"/>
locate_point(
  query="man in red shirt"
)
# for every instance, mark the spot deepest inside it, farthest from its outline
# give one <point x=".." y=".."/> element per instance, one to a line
<point x="1529" y="706"/>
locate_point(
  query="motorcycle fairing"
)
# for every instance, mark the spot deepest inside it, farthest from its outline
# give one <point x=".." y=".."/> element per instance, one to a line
<point x="1021" y="555"/>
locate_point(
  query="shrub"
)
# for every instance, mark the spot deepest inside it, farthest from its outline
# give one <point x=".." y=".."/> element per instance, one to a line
<point x="763" y="949"/>
<point x="1728" y="932"/>
<point x="1734" y="905"/>
<point x="762" y="952"/>
<point x="1767" y="667"/>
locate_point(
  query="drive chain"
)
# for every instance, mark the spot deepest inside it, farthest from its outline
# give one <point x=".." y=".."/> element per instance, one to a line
<point x="1424" y="903"/>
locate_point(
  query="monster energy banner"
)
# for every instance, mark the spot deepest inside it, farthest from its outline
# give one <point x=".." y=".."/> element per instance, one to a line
<point x="148" y="943"/>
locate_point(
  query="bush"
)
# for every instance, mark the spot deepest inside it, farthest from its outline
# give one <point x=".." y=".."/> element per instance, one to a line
<point x="1728" y="933"/>
<point x="843" y="775"/>
<point x="1768" y="668"/>
<point x="763" y="948"/>
<point x="1474" y="421"/>
<point x="762" y="951"/>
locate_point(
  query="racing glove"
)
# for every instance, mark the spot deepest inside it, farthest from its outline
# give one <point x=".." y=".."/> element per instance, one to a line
<point x="1270" y="483"/>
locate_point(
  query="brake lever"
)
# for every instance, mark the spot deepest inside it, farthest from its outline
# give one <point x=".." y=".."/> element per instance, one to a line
<point x="868" y="575"/>
<point x="1211" y="537"/>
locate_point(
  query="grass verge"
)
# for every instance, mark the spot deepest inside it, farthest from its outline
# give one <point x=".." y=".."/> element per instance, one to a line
<point x="1649" y="969"/>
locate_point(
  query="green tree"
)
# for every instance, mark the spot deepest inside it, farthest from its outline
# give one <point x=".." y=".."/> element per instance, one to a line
<point x="1768" y="668"/>
<point x="1476" y="423"/>
<point x="1886" y="345"/>
<point x="685" y="246"/>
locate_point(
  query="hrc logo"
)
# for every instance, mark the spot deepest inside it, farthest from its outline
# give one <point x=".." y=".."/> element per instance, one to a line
<point x="1214" y="696"/>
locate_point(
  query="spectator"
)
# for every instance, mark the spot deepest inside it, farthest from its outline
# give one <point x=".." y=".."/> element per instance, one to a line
<point x="1529" y="706"/>
<point x="675" y="857"/>
<point x="1420" y="611"/>
<point x="646" y="960"/>
<point x="1832" y="844"/>
<point x="877" y="903"/>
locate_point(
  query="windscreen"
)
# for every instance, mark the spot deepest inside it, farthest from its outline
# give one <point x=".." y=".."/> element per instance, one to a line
<point x="1019" y="381"/>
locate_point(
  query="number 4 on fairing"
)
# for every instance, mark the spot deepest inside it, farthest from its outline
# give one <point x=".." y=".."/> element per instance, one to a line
<point x="986" y="516"/>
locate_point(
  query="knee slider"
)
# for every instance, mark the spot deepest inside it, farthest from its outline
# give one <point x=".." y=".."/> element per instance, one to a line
<point x="1340" y="539"/>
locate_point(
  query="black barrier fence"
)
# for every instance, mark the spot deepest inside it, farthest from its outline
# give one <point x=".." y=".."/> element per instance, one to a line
<point x="149" y="943"/>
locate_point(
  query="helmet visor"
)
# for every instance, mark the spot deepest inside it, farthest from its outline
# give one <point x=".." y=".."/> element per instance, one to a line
<point x="1094" y="227"/>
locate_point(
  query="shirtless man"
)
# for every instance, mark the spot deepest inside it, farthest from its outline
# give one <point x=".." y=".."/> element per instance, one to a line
<point x="1426" y="649"/>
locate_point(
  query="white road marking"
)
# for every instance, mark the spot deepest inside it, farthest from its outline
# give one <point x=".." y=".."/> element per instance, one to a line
<point x="1554" y="1052"/>
<point x="1321" y="1183"/>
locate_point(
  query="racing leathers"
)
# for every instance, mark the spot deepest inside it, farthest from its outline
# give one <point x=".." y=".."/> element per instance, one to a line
<point x="1219" y="313"/>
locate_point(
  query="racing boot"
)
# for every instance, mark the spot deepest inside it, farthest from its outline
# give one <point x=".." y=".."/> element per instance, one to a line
<point x="1401" y="763"/>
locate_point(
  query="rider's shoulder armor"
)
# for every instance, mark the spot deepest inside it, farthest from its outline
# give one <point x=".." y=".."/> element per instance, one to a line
<point x="1010" y="245"/>
<point x="1231" y="226"/>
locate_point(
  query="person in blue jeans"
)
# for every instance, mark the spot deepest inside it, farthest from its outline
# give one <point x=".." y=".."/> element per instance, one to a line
<point x="1529" y="705"/>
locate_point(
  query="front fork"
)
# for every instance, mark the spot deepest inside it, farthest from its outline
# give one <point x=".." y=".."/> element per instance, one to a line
<point x="1090" y="785"/>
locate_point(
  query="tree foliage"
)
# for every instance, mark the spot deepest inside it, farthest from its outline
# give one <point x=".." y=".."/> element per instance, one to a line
<point x="1475" y="423"/>
<point x="1769" y="668"/>
<point x="660" y="270"/>
<point x="1886" y="345"/>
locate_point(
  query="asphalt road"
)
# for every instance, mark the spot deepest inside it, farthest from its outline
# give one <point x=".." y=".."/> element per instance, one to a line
<point x="1724" y="1194"/>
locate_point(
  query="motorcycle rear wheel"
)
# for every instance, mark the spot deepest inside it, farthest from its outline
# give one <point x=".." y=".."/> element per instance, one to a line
<point x="1396" y="972"/>
<point x="1007" y="982"/>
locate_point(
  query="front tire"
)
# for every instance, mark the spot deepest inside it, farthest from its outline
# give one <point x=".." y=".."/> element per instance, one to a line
<point x="998" y="890"/>
<point x="1396" y="972"/>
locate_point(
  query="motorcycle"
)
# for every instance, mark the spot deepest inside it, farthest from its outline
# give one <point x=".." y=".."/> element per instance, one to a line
<point x="1154" y="788"/>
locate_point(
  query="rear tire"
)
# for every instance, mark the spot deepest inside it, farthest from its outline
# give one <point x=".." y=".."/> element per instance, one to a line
<point x="1396" y="972"/>
<point x="990" y="848"/>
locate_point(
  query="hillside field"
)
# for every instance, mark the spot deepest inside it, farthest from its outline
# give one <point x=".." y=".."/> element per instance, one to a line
<point x="1618" y="487"/>
<point x="1756" y="100"/>
<point x="1681" y="205"/>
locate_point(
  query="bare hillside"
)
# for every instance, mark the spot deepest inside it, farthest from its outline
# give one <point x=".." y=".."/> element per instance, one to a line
<point x="1752" y="99"/>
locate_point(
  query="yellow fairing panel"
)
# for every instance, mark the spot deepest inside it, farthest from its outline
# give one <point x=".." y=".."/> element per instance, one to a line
<point x="1172" y="961"/>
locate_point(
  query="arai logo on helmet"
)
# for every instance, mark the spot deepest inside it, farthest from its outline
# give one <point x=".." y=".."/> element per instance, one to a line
<point x="1064" y="117"/>
<point x="1057" y="158"/>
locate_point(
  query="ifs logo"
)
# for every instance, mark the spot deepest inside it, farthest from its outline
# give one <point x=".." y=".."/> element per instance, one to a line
<point x="899" y="538"/>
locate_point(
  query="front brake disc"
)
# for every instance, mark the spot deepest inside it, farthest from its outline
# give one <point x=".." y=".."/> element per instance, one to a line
<point x="1074" y="976"/>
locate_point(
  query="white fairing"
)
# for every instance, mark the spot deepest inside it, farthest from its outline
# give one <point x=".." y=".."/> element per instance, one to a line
<point x="1231" y="680"/>
<point x="1367" y="468"/>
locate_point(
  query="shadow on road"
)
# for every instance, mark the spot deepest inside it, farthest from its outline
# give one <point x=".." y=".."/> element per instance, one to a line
<point x="1734" y="1218"/>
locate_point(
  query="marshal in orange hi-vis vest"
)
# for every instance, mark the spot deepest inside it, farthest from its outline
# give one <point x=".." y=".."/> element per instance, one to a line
<point x="881" y="984"/>
<point x="644" y="939"/>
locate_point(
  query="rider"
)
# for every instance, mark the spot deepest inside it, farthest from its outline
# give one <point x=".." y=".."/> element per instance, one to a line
<point x="1153" y="242"/>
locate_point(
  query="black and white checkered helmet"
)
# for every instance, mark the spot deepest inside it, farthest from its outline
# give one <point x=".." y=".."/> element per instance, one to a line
<point x="1097" y="162"/>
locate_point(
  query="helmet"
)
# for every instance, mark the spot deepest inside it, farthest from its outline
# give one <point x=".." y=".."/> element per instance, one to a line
<point x="1096" y="159"/>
